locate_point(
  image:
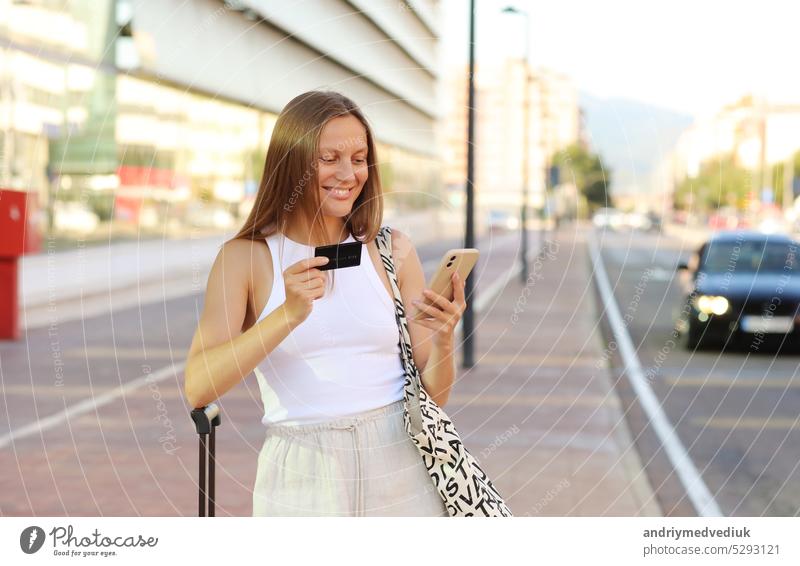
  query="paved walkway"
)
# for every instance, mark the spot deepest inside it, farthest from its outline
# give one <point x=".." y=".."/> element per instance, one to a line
<point x="539" y="409"/>
<point x="86" y="280"/>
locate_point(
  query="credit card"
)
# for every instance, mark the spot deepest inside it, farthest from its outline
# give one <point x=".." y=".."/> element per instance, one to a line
<point x="340" y="255"/>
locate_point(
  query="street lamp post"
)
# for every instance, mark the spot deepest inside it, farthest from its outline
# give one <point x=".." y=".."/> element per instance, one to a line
<point x="469" y="237"/>
<point x="525" y="144"/>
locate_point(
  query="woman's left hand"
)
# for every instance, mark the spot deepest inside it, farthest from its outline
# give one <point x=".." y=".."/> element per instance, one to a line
<point x="443" y="315"/>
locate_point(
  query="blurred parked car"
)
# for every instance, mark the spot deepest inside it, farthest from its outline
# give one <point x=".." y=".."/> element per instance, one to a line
<point x="201" y="215"/>
<point x="501" y="220"/>
<point x="608" y="218"/>
<point x="74" y="217"/>
<point x="655" y="221"/>
<point x="773" y="224"/>
<point x="680" y="217"/>
<point x="723" y="221"/>
<point x="637" y="221"/>
<point x="743" y="284"/>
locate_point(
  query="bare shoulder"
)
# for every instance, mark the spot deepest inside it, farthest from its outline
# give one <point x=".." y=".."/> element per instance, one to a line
<point x="241" y="244"/>
<point x="236" y="255"/>
<point x="238" y="261"/>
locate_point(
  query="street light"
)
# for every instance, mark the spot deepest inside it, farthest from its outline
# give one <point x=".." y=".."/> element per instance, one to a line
<point x="526" y="143"/>
<point x="469" y="236"/>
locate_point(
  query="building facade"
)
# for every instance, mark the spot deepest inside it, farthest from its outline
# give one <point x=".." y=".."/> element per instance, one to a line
<point x="554" y="123"/>
<point x="152" y="113"/>
<point x="757" y="135"/>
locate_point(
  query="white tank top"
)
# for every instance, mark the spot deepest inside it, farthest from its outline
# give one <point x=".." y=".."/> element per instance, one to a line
<point x="341" y="360"/>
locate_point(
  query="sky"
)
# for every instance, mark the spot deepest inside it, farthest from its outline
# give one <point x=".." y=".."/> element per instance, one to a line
<point x="689" y="56"/>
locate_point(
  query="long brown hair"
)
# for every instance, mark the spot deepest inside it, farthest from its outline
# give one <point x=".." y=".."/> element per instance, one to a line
<point x="291" y="168"/>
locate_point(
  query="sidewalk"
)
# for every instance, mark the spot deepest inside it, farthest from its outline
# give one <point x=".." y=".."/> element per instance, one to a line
<point x="539" y="409"/>
<point x="84" y="280"/>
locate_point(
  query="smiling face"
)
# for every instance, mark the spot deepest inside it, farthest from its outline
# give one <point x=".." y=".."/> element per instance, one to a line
<point x="342" y="164"/>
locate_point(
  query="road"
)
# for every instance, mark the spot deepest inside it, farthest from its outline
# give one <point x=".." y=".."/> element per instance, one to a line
<point x="735" y="412"/>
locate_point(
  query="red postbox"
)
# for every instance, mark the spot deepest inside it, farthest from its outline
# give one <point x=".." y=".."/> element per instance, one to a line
<point x="13" y="219"/>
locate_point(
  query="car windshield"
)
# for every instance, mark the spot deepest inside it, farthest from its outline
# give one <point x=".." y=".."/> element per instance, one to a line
<point x="750" y="257"/>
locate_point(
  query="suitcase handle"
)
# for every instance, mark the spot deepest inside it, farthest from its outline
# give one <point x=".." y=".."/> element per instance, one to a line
<point x="206" y="420"/>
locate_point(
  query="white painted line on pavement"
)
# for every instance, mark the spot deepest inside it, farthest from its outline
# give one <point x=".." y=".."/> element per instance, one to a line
<point x="491" y="292"/>
<point x="692" y="481"/>
<point x="89" y="404"/>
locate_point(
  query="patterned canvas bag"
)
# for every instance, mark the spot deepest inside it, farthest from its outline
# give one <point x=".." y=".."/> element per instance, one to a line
<point x="460" y="481"/>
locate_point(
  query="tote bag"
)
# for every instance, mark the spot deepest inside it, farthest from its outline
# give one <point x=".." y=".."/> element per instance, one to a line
<point x="460" y="481"/>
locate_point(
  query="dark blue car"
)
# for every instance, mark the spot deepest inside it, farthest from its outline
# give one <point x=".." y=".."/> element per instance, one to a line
<point x="743" y="286"/>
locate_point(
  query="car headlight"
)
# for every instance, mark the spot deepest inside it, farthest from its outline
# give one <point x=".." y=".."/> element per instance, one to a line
<point x="712" y="304"/>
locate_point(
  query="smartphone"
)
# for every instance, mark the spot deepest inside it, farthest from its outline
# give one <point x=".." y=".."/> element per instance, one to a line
<point x="460" y="260"/>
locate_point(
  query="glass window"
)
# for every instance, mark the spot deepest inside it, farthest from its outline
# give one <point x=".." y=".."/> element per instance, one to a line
<point x="750" y="257"/>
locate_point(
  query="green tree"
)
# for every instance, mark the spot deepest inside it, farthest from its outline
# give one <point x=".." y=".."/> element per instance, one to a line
<point x="591" y="176"/>
<point x="778" y="176"/>
<point x="720" y="182"/>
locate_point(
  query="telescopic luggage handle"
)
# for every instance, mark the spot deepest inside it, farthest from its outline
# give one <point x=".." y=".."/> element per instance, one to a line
<point x="206" y="420"/>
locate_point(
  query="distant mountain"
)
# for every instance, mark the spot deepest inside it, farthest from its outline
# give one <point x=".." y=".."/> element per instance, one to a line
<point x="632" y="137"/>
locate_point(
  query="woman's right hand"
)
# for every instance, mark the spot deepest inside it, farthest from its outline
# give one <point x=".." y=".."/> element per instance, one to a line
<point x="304" y="283"/>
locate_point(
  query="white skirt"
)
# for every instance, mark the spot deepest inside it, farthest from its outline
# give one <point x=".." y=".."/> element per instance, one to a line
<point x="363" y="465"/>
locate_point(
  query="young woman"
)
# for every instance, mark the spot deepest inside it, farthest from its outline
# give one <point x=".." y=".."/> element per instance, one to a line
<point x="326" y="357"/>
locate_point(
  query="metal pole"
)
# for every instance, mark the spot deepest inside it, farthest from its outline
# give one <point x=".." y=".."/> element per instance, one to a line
<point x="526" y="153"/>
<point x="788" y="177"/>
<point x="762" y="131"/>
<point x="526" y="120"/>
<point x="201" y="493"/>
<point x="211" y="466"/>
<point x="469" y="237"/>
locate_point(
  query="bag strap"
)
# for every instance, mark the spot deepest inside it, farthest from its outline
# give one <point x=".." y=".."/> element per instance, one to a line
<point x="413" y="385"/>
